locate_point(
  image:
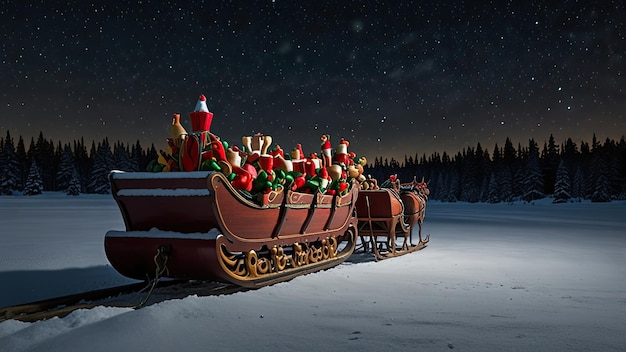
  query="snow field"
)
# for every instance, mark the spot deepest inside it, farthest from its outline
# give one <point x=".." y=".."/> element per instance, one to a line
<point x="517" y="277"/>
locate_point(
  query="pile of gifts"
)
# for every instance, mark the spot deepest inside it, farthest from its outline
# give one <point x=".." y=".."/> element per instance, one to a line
<point x="257" y="166"/>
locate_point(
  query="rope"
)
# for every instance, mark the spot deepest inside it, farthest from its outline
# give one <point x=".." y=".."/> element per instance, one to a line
<point x="160" y="269"/>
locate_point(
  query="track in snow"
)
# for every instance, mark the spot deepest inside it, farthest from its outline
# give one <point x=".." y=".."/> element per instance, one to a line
<point x="131" y="296"/>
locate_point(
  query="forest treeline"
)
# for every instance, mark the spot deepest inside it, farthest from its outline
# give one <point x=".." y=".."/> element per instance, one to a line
<point x="565" y="172"/>
<point x="73" y="168"/>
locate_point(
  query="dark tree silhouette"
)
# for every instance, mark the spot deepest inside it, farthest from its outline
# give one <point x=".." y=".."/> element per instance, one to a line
<point x="533" y="180"/>
<point x="74" y="187"/>
<point x="34" y="183"/>
<point x="470" y="177"/>
<point x="562" y="184"/>
<point x="66" y="169"/>
<point x="578" y="184"/>
<point x="10" y="174"/>
<point x="601" y="191"/>
<point x="102" y="166"/>
<point x="504" y="182"/>
<point x="492" y="193"/>
<point x="122" y="158"/>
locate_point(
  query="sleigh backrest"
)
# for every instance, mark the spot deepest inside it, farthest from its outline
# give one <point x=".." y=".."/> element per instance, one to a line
<point x="382" y="203"/>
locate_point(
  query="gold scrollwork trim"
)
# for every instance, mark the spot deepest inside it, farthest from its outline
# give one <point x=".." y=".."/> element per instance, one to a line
<point x="252" y="265"/>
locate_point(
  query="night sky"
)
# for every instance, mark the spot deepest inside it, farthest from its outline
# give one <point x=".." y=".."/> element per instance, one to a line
<point x="396" y="78"/>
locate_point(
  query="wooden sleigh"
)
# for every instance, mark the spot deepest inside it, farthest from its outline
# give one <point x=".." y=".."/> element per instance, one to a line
<point x="195" y="225"/>
<point x="387" y="216"/>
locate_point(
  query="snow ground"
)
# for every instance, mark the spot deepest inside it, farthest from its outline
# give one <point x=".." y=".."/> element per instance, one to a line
<point x="520" y="277"/>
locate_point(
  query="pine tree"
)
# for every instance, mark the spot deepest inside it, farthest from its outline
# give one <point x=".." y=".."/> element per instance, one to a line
<point x="74" y="187"/>
<point x="5" y="187"/>
<point x="66" y="169"/>
<point x="601" y="192"/>
<point x="505" y="184"/>
<point x="437" y="192"/>
<point x="549" y="163"/>
<point x="10" y="175"/>
<point x="103" y="164"/>
<point x="622" y="194"/>
<point x="22" y="163"/>
<point x="470" y="178"/>
<point x="151" y="154"/>
<point x="34" y="183"/>
<point x="562" y="184"/>
<point x="44" y="155"/>
<point x="578" y="184"/>
<point x="517" y="184"/>
<point x="611" y="155"/>
<point x="451" y="193"/>
<point x="484" y="171"/>
<point x="136" y="155"/>
<point x="122" y="158"/>
<point x="83" y="162"/>
<point x="508" y="152"/>
<point x="484" y="189"/>
<point x="533" y="182"/>
<point x="492" y="191"/>
<point x="518" y="169"/>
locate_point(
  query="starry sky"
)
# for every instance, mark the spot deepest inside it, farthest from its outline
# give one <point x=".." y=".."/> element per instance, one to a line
<point x="394" y="78"/>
